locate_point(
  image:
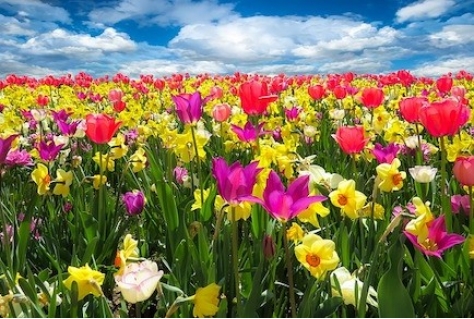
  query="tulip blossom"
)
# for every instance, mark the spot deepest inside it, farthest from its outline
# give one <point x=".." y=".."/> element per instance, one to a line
<point x="460" y="202"/>
<point x="48" y="151"/>
<point x="444" y="118"/>
<point x="189" y="107"/>
<point x="348" y="199"/>
<point x="248" y="133"/>
<point x="345" y="284"/>
<point x="234" y="182"/>
<point x="385" y="154"/>
<point x="444" y="84"/>
<point x="221" y="112"/>
<point x="410" y="108"/>
<point x="206" y="301"/>
<point x="437" y="239"/>
<point x="284" y="204"/>
<point x="463" y="170"/>
<point x="372" y="97"/>
<point x="134" y="202"/>
<point x="351" y="139"/>
<point x="5" y="146"/>
<point x="88" y="281"/>
<point x="138" y="281"/>
<point x="317" y="92"/>
<point x="255" y="97"/>
<point x="423" y="174"/>
<point x="100" y="128"/>
<point x="391" y="179"/>
<point x="317" y="255"/>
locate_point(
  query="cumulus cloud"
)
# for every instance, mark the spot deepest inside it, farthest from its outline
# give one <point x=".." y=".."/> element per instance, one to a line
<point x="424" y="9"/>
<point x="40" y="10"/>
<point x="164" y="12"/>
<point x="440" y="67"/>
<point x="453" y="35"/>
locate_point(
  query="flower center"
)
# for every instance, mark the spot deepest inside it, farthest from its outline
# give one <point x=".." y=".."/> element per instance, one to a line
<point x="47" y="179"/>
<point x="430" y="245"/>
<point x="313" y="260"/>
<point x="397" y="179"/>
<point x="342" y="200"/>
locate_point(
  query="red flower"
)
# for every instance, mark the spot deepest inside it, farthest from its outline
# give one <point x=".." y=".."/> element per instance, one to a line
<point x="100" y="128"/>
<point x="463" y="170"/>
<point x="339" y="92"/>
<point x="351" y="139"/>
<point x="410" y="108"/>
<point x="254" y="97"/>
<point x="372" y="97"/>
<point x="317" y="92"/>
<point x="444" y="84"/>
<point x="444" y="118"/>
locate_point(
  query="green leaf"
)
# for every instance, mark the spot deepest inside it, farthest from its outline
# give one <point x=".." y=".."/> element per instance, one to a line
<point x="393" y="298"/>
<point x="89" y="250"/>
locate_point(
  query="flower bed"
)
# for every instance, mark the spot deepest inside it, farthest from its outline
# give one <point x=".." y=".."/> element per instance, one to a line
<point x="234" y="196"/>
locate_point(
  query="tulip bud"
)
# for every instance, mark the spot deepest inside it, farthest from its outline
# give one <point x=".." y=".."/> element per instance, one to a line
<point x="221" y="112"/>
<point x="268" y="247"/>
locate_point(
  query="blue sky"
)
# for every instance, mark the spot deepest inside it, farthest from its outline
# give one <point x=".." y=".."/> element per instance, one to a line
<point x="161" y="37"/>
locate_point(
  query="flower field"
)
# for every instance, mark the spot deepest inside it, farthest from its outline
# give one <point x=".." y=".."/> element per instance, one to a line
<point x="244" y="195"/>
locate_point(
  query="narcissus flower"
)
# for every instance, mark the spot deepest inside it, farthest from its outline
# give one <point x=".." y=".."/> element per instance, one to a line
<point x="317" y="255"/>
<point x="62" y="182"/>
<point x="390" y="178"/>
<point x="129" y="250"/>
<point x="42" y="179"/>
<point x="88" y="281"/>
<point x="206" y="301"/>
<point x="348" y="199"/>
<point x="138" y="281"/>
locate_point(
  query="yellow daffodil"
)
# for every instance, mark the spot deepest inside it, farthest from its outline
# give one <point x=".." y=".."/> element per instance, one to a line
<point x="206" y="301"/>
<point x="317" y="255"/>
<point x="118" y="148"/>
<point x="310" y="215"/>
<point x="242" y="210"/>
<point x="138" y="160"/>
<point x="348" y="199"/>
<point x="390" y="178"/>
<point x="378" y="211"/>
<point x="295" y="233"/>
<point x="129" y="250"/>
<point x="41" y="177"/>
<point x="97" y="180"/>
<point x="62" y="182"/>
<point x="197" y="198"/>
<point x="471" y="247"/>
<point x="104" y="161"/>
<point x="419" y="225"/>
<point x="88" y="281"/>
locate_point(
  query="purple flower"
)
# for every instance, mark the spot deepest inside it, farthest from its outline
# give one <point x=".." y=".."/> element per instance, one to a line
<point x="385" y="154"/>
<point x="5" y="146"/>
<point x="19" y="158"/>
<point x="61" y="115"/>
<point x="293" y="113"/>
<point x="459" y="202"/>
<point x="438" y="239"/>
<point x="248" y="133"/>
<point x="67" y="128"/>
<point x="234" y="182"/>
<point x="48" y="151"/>
<point x="286" y="204"/>
<point x="180" y="174"/>
<point x="134" y="202"/>
<point x="189" y="107"/>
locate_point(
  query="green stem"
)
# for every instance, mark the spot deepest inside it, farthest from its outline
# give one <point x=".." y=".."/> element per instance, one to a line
<point x="198" y="160"/>
<point x="289" y="269"/>
<point x="235" y="260"/>
<point x="6" y="237"/>
<point x="445" y="204"/>
<point x="471" y="212"/>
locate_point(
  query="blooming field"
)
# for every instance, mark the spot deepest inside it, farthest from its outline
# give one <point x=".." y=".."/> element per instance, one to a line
<point x="235" y="196"/>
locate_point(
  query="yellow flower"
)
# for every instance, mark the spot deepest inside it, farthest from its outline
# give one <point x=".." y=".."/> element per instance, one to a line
<point x="62" y="182"/>
<point x="88" y="281"/>
<point x="130" y="250"/>
<point x="379" y="211"/>
<point x="242" y="210"/>
<point x="471" y="247"/>
<point x="97" y="181"/>
<point x="40" y="176"/>
<point x="390" y="178"/>
<point x="118" y="149"/>
<point x="295" y="233"/>
<point x="197" y="198"/>
<point x="138" y="160"/>
<point x="310" y="215"/>
<point x="317" y="255"/>
<point x="104" y="161"/>
<point x="206" y="300"/>
<point x="348" y="199"/>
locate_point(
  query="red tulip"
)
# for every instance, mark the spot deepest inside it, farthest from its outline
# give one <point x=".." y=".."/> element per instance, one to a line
<point x="100" y="128"/>
<point x="444" y="118"/>
<point x="339" y="92"/>
<point x="444" y="84"/>
<point x="463" y="170"/>
<point x="351" y="139"/>
<point x="254" y="97"/>
<point x="317" y="92"/>
<point x="410" y="108"/>
<point x="221" y="112"/>
<point x="372" y="97"/>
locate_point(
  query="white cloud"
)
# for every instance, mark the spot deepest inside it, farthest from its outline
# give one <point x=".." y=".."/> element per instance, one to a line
<point x="40" y="10"/>
<point x="164" y="12"/>
<point x="424" y="9"/>
<point x="453" y="35"/>
<point x="358" y="65"/>
<point x="81" y="46"/>
<point x="440" y="67"/>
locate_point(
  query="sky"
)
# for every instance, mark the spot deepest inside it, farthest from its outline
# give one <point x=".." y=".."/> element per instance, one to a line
<point x="163" y="37"/>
